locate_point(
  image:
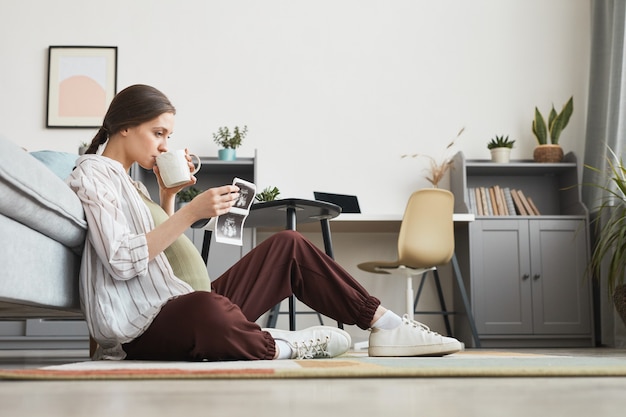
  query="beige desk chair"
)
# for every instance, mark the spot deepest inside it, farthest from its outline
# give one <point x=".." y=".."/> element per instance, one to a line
<point x="426" y="240"/>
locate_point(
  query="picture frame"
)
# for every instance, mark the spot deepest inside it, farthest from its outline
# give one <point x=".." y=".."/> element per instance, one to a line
<point x="82" y="81"/>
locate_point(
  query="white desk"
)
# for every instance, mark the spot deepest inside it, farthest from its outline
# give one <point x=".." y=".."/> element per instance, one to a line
<point x="373" y="223"/>
<point x="356" y="217"/>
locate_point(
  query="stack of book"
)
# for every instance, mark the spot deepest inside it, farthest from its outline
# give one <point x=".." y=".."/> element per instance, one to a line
<point x="500" y="201"/>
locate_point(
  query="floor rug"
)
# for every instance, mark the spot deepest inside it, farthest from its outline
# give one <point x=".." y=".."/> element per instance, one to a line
<point x="469" y="363"/>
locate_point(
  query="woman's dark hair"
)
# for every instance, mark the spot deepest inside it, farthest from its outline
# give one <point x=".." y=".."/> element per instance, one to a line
<point x="131" y="107"/>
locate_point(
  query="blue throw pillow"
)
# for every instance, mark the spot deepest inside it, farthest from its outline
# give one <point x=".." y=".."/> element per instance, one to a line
<point x="61" y="163"/>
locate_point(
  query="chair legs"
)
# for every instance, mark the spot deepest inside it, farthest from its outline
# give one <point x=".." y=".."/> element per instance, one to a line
<point x="466" y="303"/>
<point x="409" y="297"/>
<point x="442" y="302"/>
<point x="444" y="311"/>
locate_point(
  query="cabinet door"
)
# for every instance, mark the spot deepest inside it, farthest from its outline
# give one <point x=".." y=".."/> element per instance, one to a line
<point x="560" y="288"/>
<point x="501" y="290"/>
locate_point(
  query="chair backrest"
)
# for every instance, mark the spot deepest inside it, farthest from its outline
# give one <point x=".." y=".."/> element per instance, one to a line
<point x="427" y="232"/>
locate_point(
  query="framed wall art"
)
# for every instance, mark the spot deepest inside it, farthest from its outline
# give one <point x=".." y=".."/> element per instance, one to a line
<point x="82" y="81"/>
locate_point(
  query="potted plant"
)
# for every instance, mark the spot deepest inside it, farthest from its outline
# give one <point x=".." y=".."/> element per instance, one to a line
<point x="610" y="247"/>
<point x="186" y="195"/>
<point x="548" y="149"/>
<point x="438" y="169"/>
<point x="268" y="194"/>
<point x="83" y="148"/>
<point x="229" y="141"/>
<point x="500" y="148"/>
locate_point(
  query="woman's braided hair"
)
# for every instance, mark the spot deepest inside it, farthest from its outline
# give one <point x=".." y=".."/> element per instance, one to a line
<point x="131" y="107"/>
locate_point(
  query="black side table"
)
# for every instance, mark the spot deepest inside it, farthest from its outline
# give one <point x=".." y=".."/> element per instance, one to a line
<point x="288" y="213"/>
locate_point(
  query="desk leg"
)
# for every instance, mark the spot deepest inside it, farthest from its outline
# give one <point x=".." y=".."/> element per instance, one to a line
<point x="292" y="312"/>
<point x="206" y="245"/>
<point x="291" y="225"/>
<point x="272" y="316"/>
<point x="328" y="247"/>
<point x="291" y="218"/>
<point x="328" y="243"/>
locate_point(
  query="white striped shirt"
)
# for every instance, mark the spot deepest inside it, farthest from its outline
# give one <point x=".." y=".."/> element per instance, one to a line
<point x="120" y="291"/>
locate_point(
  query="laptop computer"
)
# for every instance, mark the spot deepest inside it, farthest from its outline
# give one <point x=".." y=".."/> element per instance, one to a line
<point x="348" y="203"/>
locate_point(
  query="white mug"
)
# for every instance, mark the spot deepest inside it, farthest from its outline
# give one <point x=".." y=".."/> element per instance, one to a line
<point x="174" y="169"/>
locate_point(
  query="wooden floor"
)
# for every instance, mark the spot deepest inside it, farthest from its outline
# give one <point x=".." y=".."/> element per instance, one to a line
<point x="501" y="397"/>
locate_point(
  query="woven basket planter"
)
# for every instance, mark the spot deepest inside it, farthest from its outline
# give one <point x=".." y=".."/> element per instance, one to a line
<point x="548" y="153"/>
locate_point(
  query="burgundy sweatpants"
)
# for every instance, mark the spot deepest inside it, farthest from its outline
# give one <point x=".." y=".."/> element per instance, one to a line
<point x="220" y="325"/>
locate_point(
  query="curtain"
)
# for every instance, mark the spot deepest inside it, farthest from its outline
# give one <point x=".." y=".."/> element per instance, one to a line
<point x="606" y="112"/>
<point x="606" y="128"/>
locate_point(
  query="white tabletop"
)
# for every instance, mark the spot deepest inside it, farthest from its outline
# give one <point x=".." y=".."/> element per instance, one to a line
<point x="360" y="217"/>
<point x="373" y="223"/>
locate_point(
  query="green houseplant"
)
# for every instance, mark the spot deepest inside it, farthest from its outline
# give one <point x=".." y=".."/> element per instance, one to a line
<point x="500" y="148"/>
<point x="268" y="194"/>
<point x="83" y="148"/>
<point x="229" y="141"/>
<point x="186" y="195"/>
<point x="548" y="135"/>
<point x="610" y="247"/>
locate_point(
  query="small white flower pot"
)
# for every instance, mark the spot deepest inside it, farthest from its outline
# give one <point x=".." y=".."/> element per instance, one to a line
<point x="501" y="155"/>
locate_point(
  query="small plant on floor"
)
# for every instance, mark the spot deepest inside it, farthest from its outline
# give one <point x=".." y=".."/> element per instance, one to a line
<point x="609" y="252"/>
<point x="268" y="194"/>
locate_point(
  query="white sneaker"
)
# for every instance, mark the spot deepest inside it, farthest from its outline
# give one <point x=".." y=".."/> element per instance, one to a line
<point x="411" y="338"/>
<point x="314" y="342"/>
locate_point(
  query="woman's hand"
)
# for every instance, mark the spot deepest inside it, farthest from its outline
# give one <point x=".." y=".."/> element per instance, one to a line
<point x="214" y="202"/>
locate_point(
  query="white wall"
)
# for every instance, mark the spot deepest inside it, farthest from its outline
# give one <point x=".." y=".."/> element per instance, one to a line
<point x="333" y="91"/>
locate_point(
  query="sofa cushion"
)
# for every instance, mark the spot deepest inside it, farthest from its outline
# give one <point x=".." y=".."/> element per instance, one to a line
<point x="61" y="163"/>
<point x="35" y="196"/>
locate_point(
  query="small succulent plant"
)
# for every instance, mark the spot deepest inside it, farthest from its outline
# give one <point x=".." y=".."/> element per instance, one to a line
<point x="268" y="194"/>
<point x="500" y="142"/>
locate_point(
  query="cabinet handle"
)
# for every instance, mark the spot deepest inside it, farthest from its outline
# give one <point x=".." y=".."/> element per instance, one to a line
<point x="525" y="276"/>
<point x="536" y="277"/>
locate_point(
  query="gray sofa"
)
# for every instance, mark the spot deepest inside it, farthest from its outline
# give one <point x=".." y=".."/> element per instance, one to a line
<point x="42" y="231"/>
